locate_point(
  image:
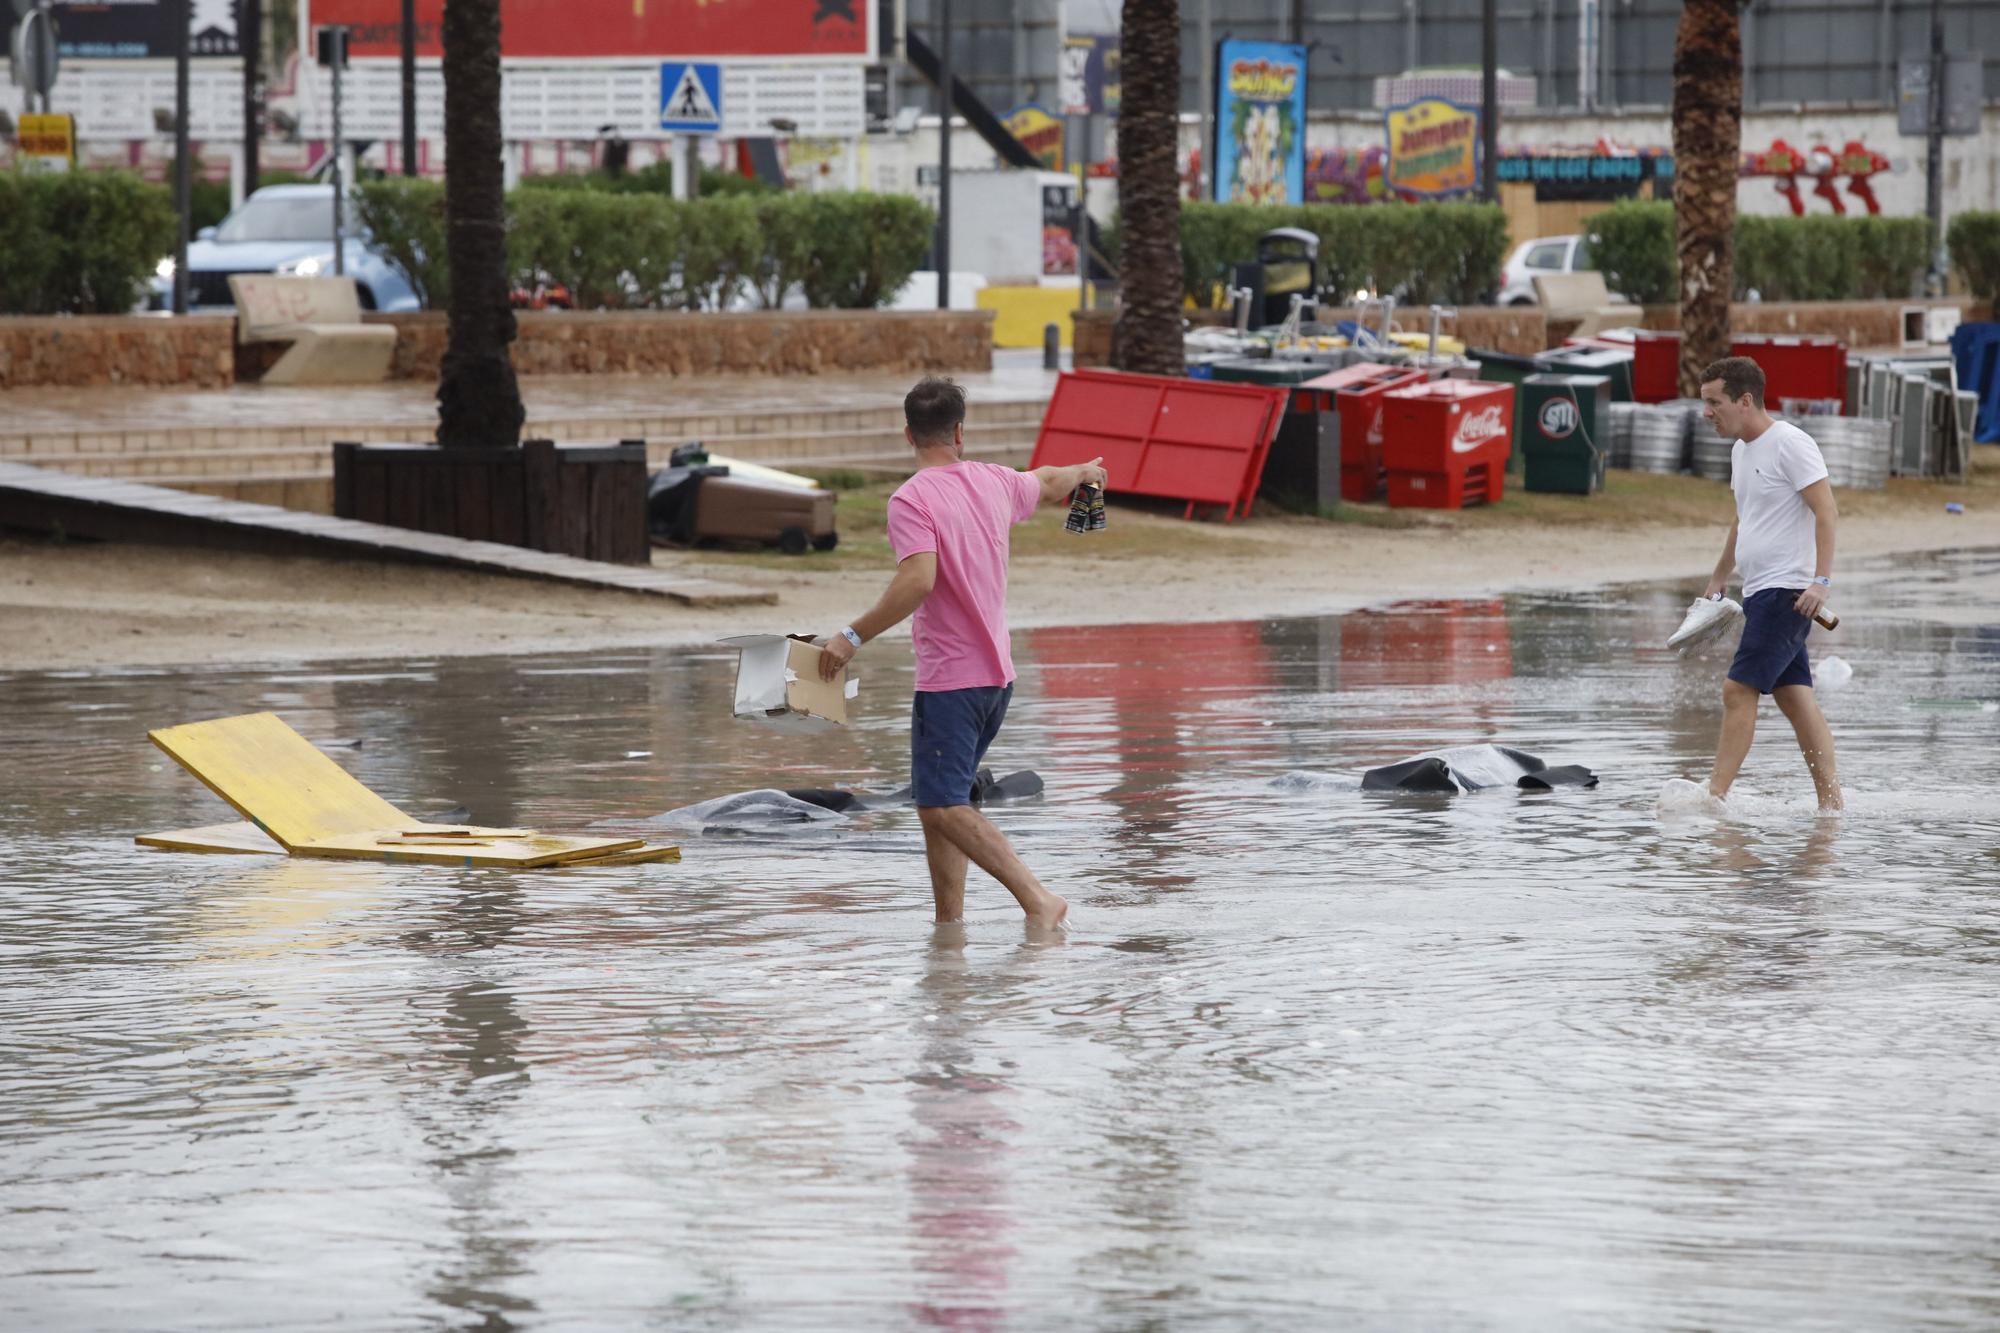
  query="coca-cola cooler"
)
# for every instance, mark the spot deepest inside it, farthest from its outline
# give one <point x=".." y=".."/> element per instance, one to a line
<point x="1357" y="396"/>
<point x="1445" y="443"/>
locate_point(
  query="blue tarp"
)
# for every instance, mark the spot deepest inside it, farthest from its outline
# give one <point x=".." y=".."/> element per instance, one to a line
<point x="1975" y="348"/>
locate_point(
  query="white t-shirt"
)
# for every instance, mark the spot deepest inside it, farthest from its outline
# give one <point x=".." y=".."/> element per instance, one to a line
<point x="1776" y="542"/>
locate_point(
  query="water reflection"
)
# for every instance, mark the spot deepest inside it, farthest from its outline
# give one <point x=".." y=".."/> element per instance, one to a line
<point x="1314" y="1057"/>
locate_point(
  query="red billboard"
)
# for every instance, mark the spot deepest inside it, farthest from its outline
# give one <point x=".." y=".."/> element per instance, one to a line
<point x="625" y="29"/>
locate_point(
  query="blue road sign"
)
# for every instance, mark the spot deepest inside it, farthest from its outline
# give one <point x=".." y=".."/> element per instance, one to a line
<point x="691" y="97"/>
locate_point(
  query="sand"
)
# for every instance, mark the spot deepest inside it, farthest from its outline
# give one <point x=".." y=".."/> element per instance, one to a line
<point x="80" y="606"/>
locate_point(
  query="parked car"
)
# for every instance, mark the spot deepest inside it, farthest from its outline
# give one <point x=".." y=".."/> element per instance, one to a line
<point x="286" y="229"/>
<point x="1545" y="254"/>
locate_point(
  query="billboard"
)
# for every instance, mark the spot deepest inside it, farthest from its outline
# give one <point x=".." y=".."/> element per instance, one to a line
<point x="142" y="29"/>
<point x="1433" y="147"/>
<point x="789" y="30"/>
<point x="1090" y="74"/>
<point x="1260" y="123"/>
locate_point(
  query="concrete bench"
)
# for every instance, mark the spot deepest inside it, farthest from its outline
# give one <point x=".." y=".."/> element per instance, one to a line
<point x="321" y="319"/>
<point x="1583" y="298"/>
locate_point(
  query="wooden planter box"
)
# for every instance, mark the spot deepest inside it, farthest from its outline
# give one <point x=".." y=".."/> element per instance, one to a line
<point x="581" y="500"/>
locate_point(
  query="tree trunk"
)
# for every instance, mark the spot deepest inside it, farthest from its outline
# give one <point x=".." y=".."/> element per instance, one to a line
<point x="479" y="401"/>
<point x="1148" y="334"/>
<point x="1708" y="141"/>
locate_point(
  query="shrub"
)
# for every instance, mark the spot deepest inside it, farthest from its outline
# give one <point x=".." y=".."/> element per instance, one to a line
<point x="404" y="216"/>
<point x="865" y="248"/>
<point x="1423" y="252"/>
<point x="1632" y="244"/>
<point x="79" y="242"/>
<point x="1973" y="240"/>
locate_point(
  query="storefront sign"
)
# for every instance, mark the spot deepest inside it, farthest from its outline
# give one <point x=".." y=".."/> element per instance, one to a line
<point x="1579" y="176"/>
<point x="1260" y="117"/>
<point x="46" y="142"/>
<point x="1433" y="148"/>
<point x="791" y="30"/>
<point x="142" y="29"/>
<point x="1090" y="74"/>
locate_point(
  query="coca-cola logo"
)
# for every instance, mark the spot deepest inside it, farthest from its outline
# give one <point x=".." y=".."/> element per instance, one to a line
<point x="1558" y="418"/>
<point x="1477" y="428"/>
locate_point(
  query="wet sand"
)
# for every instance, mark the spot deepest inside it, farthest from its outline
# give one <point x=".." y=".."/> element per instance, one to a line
<point x="103" y="606"/>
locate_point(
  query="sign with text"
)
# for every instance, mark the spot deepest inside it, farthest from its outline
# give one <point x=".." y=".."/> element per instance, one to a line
<point x="1260" y="123"/>
<point x="48" y="141"/>
<point x="1433" y="148"/>
<point x="142" y="29"/>
<point x="551" y="29"/>
<point x="1580" y="176"/>
<point x="1090" y="77"/>
<point x="1039" y="132"/>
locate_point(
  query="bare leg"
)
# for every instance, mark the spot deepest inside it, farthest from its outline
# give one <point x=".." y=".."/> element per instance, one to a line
<point x="1739" y="726"/>
<point x="1801" y="706"/>
<point x="975" y="837"/>
<point x="947" y="864"/>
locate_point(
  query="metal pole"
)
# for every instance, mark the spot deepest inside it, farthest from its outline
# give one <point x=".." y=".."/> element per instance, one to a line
<point x="944" y="157"/>
<point x="1489" y="100"/>
<point x="250" y="41"/>
<point x="1205" y="179"/>
<point x="1934" y="153"/>
<point x="182" y="13"/>
<point x="1299" y="22"/>
<point x="339" y="152"/>
<point x="409" y="87"/>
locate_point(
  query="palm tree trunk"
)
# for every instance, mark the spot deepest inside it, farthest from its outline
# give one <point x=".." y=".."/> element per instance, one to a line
<point x="1708" y="142"/>
<point x="1148" y="335"/>
<point x="479" y="401"/>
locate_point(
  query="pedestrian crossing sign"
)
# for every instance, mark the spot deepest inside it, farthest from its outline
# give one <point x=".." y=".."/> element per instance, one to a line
<point x="691" y="97"/>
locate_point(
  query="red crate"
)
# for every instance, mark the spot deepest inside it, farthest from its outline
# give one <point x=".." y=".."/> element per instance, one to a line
<point x="1798" y="367"/>
<point x="1656" y="367"/>
<point x="1357" y="392"/>
<point x="1446" y="443"/>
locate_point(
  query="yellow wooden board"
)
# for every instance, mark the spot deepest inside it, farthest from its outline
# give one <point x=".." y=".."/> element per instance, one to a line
<point x="312" y="807"/>
<point x="278" y="780"/>
<point x="238" y="838"/>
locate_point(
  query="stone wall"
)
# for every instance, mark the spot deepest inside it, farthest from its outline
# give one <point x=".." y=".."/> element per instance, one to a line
<point x="777" y="342"/>
<point x="88" y="351"/>
<point x="1861" y="325"/>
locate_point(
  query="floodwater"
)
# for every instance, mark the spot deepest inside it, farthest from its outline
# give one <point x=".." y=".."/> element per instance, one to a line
<point x="1312" y="1058"/>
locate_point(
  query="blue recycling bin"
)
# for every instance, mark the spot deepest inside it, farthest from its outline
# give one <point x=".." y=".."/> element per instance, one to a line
<point x="1975" y="348"/>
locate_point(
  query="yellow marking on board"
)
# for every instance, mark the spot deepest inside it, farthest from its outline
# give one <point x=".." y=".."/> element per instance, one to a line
<point x="278" y="780"/>
<point x="240" y="838"/>
<point x="526" y="853"/>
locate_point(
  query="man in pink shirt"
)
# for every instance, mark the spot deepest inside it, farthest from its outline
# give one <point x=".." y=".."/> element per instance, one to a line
<point x="949" y="525"/>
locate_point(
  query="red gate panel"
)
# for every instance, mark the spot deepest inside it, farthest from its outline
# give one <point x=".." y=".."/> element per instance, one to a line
<point x="1195" y="440"/>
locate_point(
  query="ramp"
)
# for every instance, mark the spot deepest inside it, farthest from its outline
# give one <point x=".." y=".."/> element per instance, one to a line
<point x="40" y="500"/>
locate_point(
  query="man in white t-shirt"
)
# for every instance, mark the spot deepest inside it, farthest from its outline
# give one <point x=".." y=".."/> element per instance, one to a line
<point x="1782" y="541"/>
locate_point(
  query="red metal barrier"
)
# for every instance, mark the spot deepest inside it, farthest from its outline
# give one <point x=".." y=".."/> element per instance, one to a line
<point x="1358" y="391"/>
<point x="1447" y="443"/>
<point x="1201" y="441"/>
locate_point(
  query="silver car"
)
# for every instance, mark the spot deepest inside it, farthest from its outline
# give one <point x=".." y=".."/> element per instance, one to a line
<point x="286" y="229"/>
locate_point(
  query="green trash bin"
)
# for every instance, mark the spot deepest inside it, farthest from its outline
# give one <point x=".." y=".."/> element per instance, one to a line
<point x="1266" y="370"/>
<point x="1565" y="432"/>
<point x="1613" y="363"/>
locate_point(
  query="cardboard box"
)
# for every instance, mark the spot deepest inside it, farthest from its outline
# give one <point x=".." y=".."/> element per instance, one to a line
<point x="777" y="683"/>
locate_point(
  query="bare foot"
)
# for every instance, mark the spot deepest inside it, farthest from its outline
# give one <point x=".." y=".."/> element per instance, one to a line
<point x="1053" y="916"/>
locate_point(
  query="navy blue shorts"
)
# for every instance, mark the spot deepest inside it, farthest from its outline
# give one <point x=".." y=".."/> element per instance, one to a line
<point x="949" y="733"/>
<point x="1772" y="653"/>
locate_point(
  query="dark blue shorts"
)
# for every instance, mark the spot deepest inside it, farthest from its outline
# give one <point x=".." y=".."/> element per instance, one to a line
<point x="1772" y="653"/>
<point x="949" y="733"/>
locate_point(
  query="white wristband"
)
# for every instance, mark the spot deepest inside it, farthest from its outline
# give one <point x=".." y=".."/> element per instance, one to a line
<point x="849" y="634"/>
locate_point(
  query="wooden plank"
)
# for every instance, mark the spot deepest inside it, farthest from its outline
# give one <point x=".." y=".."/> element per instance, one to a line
<point x="277" y="779"/>
<point x="541" y="496"/>
<point x="475" y="503"/>
<point x="237" y="839"/>
<point x="526" y="853"/>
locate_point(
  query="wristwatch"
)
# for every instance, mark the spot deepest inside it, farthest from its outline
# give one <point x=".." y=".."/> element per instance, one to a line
<point x="1824" y="581"/>
<point x="849" y="634"/>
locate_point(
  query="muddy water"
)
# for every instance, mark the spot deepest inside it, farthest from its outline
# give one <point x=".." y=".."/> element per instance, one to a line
<point x="1313" y="1058"/>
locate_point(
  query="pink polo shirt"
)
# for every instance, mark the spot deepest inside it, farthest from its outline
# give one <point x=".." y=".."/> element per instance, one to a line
<point x="963" y="513"/>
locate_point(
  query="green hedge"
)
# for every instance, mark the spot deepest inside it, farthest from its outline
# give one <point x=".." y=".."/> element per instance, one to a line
<point x="1813" y="258"/>
<point x="1973" y="241"/>
<point x="79" y="242"/>
<point x="1424" y="252"/>
<point x="639" y="250"/>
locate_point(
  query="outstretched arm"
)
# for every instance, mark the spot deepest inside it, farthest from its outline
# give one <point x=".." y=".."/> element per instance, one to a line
<point x="906" y="592"/>
<point x="1723" y="567"/>
<point x="1058" y="482"/>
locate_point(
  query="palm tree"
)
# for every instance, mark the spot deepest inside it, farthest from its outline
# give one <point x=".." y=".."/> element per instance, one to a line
<point x="1708" y="141"/>
<point x="479" y="400"/>
<point x="1148" y="336"/>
